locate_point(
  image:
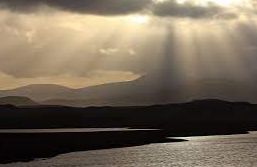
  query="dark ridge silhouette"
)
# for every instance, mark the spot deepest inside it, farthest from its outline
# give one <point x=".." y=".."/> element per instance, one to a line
<point x="200" y="117"/>
<point x="178" y="117"/>
<point x="17" y="101"/>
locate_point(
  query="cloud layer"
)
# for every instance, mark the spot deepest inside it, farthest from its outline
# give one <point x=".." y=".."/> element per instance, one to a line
<point x="161" y="8"/>
<point x="172" y="8"/>
<point x="101" y="7"/>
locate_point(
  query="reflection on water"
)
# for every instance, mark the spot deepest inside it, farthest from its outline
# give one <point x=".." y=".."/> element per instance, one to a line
<point x="210" y="151"/>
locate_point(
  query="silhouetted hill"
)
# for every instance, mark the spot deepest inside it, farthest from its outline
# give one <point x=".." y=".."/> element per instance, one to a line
<point x="38" y="92"/>
<point x="17" y="101"/>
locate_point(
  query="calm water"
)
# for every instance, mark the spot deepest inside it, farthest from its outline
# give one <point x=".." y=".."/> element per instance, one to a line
<point x="211" y="151"/>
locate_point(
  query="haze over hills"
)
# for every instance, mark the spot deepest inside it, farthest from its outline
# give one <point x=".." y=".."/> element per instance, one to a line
<point x="143" y="91"/>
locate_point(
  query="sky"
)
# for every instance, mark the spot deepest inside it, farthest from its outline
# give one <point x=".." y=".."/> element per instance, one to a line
<point x="79" y="43"/>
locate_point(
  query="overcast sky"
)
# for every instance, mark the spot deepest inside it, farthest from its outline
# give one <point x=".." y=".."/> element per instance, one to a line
<point x="79" y="43"/>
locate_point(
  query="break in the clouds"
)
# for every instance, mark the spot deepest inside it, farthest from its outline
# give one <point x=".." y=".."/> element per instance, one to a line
<point x="162" y="8"/>
<point x="94" y="78"/>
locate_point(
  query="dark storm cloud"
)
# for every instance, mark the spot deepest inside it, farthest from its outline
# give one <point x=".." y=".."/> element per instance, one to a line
<point x="169" y="8"/>
<point x="101" y="7"/>
<point x="172" y="8"/>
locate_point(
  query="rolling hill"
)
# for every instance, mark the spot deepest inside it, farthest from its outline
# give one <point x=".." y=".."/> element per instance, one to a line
<point x="38" y="92"/>
<point x="17" y="101"/>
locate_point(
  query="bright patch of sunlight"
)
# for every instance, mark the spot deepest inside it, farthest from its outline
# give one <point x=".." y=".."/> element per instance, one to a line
<point x="139" y="19"/>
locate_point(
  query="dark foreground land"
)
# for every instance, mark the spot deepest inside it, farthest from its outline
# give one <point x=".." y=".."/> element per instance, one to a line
<point x="206" y="117"/>
<point x="28" y="146"/>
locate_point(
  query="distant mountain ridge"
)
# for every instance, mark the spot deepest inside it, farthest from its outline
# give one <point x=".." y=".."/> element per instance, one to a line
<point x="143" y="91"/>
<point x="38" y="92"/>
<point x="17" y="101"/>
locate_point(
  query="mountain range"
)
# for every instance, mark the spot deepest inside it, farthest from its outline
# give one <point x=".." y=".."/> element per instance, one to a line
<point x="143" y="91"/>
